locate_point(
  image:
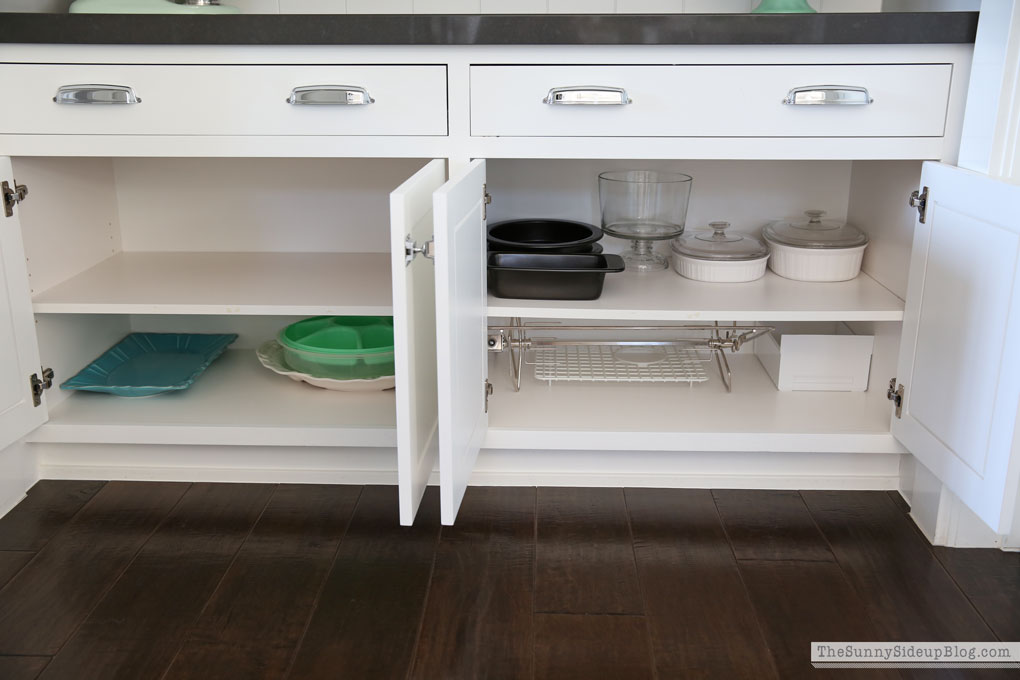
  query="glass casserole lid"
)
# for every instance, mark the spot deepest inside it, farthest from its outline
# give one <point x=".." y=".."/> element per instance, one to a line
<point x="720" y="246"/>
<point x="815" y="233"/>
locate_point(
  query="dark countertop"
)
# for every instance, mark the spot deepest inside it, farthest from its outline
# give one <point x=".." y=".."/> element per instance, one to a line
<point x="490" y="29"/>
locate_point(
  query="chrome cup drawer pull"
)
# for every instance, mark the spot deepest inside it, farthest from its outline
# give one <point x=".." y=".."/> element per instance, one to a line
<point x="838" y="95"/>
<point x="329" y="95"/>
<point x="96" y="94"/>
<point x="587" y="95"/>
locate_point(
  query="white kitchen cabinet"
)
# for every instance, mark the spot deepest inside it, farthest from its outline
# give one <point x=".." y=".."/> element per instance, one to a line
<point x="20" y="356"/>
<point x="140" y="258"/>
<point x="414" y="322"/>
<point x="460" y="338"/>
<point x="233" y="240"/>
<point x="960" y="335"/>
<point x="959" y="326"/>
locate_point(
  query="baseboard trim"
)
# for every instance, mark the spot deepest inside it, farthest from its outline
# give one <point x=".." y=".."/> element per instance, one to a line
<point x="738" y="470"/>
<point x="679" y="481"/>
<point x="9" y="504"/>
<point x="203" y="474"/>
<point x="481" y="478"/>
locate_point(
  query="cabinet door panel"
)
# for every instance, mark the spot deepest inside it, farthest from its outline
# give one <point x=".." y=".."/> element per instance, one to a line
<point x="414" y="330"/>
<point x="19" y="351"/>
<point x="958" y="357"/>
<point x="460" y="331"/>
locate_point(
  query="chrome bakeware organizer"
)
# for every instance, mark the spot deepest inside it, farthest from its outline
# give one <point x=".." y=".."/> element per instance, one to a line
<point x="679" y="359"/>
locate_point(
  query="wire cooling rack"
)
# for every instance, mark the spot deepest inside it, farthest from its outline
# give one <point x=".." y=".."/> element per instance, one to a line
<point x="601" y="363"/>
<point x="680" y="359"/>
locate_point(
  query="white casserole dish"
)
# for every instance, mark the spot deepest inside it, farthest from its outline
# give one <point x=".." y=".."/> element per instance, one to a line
<point x="719" y="256"/>
<point x="719" y="271"/>
<point x="816" y="264"/>
<point x="815" y="250"/>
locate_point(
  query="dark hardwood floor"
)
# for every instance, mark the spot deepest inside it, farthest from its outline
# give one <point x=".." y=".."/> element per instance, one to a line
<point x="162" y="581"/>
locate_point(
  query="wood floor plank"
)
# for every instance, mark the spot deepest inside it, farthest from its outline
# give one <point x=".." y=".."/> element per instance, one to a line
<point x="253" y="623"/>
<point x="584" y="559"/>
<point x="137" y="628"/>
<point x="798" y="603"/>
<point x="146" y="575"/>
<point x="375" y="591"/>
<point x="42" y="606"/>
<point x="581" y="647"/>
<point x="46" y="508"/>
<point x="22" y="667"/>
<point x="990" y="579"/>
<point x="701" y="620"/>
<point x="11" y="562"/>
<point x="478" y="617"/>
<point x="909" y="594"/>
<point x="899" y="501"/>
<point x="770" y="525"/>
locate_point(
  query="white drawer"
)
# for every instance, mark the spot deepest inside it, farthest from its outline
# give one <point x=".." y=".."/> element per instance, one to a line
<point x="224" y="100"/>
<point x="910" y="100"/>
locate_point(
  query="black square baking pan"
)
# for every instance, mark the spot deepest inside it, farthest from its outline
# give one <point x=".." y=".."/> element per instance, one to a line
<point x="527" y="276"/>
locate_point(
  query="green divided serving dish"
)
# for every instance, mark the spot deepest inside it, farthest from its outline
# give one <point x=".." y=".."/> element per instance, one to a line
<point x="340" y="347"/>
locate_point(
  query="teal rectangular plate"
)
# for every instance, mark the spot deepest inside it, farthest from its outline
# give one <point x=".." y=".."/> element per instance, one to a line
<point x="144" y="364"/>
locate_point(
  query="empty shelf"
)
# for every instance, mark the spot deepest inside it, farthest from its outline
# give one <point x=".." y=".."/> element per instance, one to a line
<point x="302" y="284"/>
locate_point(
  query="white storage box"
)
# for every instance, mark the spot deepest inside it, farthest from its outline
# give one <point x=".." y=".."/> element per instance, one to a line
<point x="836" y="362"/>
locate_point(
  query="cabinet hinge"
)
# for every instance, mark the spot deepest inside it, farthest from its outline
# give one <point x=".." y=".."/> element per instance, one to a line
<point x="919" y="200"/>
<point x="412" y="249"/>
<point x="895" y="395"/>
<point x="40" y="385"/>
<point x="486" y="200"/>
<point x="497" y="342"/>
<point x="488" y="393"/>
<point x="12" y="197"/>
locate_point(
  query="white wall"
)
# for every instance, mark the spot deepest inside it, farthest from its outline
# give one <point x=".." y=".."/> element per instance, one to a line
<point x="768" y="190"/>
<point x="238" y="205"/>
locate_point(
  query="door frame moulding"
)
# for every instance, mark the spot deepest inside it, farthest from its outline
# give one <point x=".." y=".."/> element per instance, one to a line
<point x="990" y="141"/>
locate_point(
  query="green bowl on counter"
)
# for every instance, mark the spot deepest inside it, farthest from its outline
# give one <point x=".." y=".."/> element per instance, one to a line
<point x="340" y="347"/>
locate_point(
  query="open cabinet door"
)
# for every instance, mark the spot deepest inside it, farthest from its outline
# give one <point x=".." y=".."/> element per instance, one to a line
<point x="19" y="351"/>
<point x="461" y="353"/>
<point x="414" y="334"/>
<point x="959" y="357"/>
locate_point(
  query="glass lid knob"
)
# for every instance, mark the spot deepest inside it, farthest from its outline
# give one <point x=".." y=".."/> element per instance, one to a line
<point x="815" y="222"/>
<point x="718" y="234"/>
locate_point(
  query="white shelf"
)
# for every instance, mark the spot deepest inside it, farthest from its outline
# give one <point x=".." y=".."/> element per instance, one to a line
<point x="665" y="296"/>
<point x="299" y="284"/>
<point x="669" y="417"/>
<point x="235" y="402"/>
